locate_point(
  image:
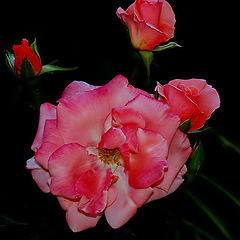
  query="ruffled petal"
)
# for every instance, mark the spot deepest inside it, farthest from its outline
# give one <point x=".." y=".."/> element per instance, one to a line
<point x="127" y="201"/>
<point x="157" y="116"/>
<point x="147" y="166"/>
<point x="47" y="111"/>
<point x="39" y="175"/>
<point x="78" y="220"/>
<point x="113" y="138"/>
<point x="66" y="165"/>
<point x="179" y="151"/>
<point x="82" y="118"/>
<point x="52" y="140"/>
<point x="160" y="193"/>
<point x="77" y="87"/>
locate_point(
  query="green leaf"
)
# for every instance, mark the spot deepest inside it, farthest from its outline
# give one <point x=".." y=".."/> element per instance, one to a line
<point x="214" y="218"/>
<point x="197" y="158"/>
<point x="34" y="48"/>
<point x="200" y="130"/>
<point x="227" y="143"/>
<point x="198" y="229"/>
<point x="222" y="189"/>
<point x="27" y="69"/>
<point x="10" y="59"/>
<point x="186" y="125"/>
<point x="48" y="68"/>
<point x="166" y="46"/>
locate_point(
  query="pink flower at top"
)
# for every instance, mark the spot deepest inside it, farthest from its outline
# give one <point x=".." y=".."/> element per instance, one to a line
<point x="192" y="98"/>
<point x="150" y="22"/>
<point x="107" y="149"/>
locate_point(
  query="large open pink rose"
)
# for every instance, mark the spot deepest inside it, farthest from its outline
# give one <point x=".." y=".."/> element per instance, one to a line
<point x="107" y="149"/>
<point x="150" y="22"/>
<point x="192" y="98"/>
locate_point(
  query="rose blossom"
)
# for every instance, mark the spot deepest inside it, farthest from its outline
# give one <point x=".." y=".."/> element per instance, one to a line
<point x="150" y="22"/>
<point x="107" y="149"/>
<point x="192" y="98"/>
<point x="23" y="51"/>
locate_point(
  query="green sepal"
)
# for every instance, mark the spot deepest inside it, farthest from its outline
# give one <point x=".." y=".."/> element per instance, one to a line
<point x="166" y="46"/>
<point x="27" y="69"/>
<point x="197" y="158"/>
<point x="186" y="125"/>
<point x="10" y="59"/>
<point x="48" y="68"/>
<point x="34" y="48"/>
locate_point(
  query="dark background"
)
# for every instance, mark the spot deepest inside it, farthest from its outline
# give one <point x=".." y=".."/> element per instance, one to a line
<point x="88" y="34"/>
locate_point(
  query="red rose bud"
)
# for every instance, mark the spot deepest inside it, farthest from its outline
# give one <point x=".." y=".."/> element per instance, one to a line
<point x="26" y="63"/>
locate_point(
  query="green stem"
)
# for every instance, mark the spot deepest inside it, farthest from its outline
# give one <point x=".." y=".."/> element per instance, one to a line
<point x="222" y="189"/>
<point x="210" y="214"/>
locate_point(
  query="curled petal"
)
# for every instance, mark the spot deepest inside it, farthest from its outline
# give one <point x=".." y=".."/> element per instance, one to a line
<point x="66" y="165"/>
<point x="179" y="152"/>
<point x="113" y="138"/>
<point x="147" y="166"/>
<point x="78" y="220"/>
<point x="157" y="115"/>
<point x="126" y="202"/>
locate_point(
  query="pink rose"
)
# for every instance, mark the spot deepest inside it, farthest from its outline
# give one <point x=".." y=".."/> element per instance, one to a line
<point x="107" y="149"/>
<point x="190" y="98"/>
<point x="150" y="22"/>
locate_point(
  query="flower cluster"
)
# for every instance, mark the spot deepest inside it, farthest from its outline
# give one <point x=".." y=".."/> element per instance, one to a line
<point x="110" y="149"/>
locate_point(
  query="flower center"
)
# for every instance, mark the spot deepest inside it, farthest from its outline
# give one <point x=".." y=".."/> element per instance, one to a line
<point x="191" y="92"/>
<point x="110" y="156"/>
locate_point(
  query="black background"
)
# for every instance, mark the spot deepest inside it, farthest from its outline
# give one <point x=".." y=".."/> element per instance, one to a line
<point x="88" y="34"/>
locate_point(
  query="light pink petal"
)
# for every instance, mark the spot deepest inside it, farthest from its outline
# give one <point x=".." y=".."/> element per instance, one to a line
<point x="82" y="119"/>
<point x="160" y="193"/>
<point x="127" y="201"/>
<point x="66" y="165"/>
<point x="157" y="116"/>
<point x="40" y="176"/>
<point x="179" y="151"/>
<point x="78" y="220"/>
<point x="66" y="203"/>
<point x="179" y="103"/>
<point x="77" y="87"/>
<point x="52" y="140"/>
<point x="47" y="111"/>
<point x="113" y="138"/>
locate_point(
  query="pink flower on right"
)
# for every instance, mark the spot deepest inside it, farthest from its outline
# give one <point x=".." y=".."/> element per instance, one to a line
<point x="192" y="98"/>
